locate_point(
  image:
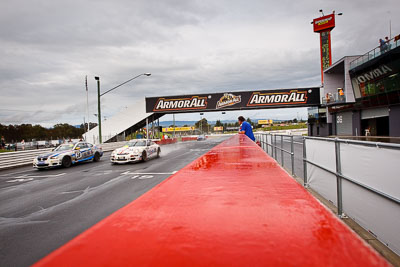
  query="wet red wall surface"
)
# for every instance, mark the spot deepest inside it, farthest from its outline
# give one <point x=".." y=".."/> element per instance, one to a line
<point x="234" y="206"/>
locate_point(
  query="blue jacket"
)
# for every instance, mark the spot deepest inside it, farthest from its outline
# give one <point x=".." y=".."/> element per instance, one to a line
<point x="246" y="127"/>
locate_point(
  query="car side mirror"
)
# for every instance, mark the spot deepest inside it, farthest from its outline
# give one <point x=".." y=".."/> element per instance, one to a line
<point x="77" y="148"/>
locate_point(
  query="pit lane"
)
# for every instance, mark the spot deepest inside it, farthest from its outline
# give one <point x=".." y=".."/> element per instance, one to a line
<point x="42" y="210"/>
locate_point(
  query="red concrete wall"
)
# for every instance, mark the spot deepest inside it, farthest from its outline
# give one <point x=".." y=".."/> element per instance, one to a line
<point x="189" y="139"/>
<point x="167" y="141"/>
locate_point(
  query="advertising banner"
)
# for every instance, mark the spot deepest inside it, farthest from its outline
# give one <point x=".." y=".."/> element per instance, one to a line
<point x="300" y="97"/>
<point x="218" y="129"/>
<point x="265" y="122"/>
<point x="326" y="55"/>
<point x="379" y="76"/>
<point x="177" y="129"/>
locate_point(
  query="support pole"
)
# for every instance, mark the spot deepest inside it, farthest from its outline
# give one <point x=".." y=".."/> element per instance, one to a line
<point x="282" y="156"/>
<point x="98" y="108"/>
<point x="147" y="128"/>
<point x="338" y="179"/>
<point x="305" y="163"/>
<point x="292" y="154"/>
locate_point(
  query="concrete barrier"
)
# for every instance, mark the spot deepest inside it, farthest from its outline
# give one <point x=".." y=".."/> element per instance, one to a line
<point x="189" y="138"/>
<point x="167" y="141"/>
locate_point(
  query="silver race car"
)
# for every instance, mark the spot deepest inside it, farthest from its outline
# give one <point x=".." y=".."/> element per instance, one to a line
<point x="135" y="150"/>
<point x="67" y="154"/>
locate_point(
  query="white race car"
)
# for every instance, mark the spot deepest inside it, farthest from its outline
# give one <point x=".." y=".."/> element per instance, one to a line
<point x="67" y="154"/>
<point x="135" y="150"/>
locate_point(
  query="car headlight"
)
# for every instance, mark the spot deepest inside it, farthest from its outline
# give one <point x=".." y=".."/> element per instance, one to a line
<point x="136" y="151"/>
<point x="54" y="157"/>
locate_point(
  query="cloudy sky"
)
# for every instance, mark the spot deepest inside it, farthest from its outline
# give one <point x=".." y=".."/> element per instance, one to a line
<point x="47" y="47"/>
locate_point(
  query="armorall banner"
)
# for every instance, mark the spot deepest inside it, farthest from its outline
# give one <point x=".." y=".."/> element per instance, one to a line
<point x="259" y="99"/>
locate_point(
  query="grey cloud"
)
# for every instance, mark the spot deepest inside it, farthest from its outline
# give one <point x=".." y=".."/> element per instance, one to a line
<point x="47" y="48"/>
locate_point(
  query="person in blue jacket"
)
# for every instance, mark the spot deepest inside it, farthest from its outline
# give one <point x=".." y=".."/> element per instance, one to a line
<point x="245" y="128"/>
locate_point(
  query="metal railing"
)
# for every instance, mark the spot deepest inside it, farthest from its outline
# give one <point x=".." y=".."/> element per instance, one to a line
<point x="377" y="51"/>
<point x="263" y="138"/>
<point x="333" y="98"/>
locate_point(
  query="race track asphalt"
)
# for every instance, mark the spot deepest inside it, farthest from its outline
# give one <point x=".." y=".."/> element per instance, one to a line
<point x="42" y="210"/>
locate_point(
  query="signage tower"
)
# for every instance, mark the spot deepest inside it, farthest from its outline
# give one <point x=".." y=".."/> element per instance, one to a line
<point x="323" y="25"/>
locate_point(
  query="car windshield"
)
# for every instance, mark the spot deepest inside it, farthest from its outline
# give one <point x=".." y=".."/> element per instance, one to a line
<point x="64" y="147"/>
<point x="137" y="143"/>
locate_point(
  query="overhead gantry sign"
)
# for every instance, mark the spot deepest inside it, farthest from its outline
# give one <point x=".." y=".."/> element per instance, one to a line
<point x="260" y="99"/>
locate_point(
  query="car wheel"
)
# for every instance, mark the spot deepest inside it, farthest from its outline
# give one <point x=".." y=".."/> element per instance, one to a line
<point x="158" y="152"/>
<point x="144" y="156"/>
<point x="96" y="157"/>
<point x="66" y="162"/>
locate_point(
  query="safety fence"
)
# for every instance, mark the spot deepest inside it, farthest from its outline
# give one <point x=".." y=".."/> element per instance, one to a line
<point x="360" y="178"/>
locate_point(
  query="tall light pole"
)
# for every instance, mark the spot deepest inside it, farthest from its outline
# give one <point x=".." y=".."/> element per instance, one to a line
<point x="98" y="107"/>
<point x="173" y="116"/>
<point x="201" y="123"/>
<point x="99" y="95"/>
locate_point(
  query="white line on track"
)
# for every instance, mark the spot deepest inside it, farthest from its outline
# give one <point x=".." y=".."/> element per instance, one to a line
<point x="41" y="176"/>
<point x="14" y="173"/>
<point x="20" y="180"/>
<point x="148" y="173"/>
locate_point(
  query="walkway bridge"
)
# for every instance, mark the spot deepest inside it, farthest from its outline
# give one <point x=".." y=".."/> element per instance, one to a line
<point x="122" y="124"/>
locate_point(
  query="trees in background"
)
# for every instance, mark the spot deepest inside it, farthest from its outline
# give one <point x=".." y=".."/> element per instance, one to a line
<point x="15" y="133"/>
<point x="202" y="125"/>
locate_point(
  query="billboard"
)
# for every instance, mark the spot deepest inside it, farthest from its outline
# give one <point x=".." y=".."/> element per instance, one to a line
<point x="218" y="128"/>
<point x="379" y="77"/>
<point x="258" y="99"/>
<point x="177" y="129"/>
<point x="326" y="55"/>
<point x="324" y="23"/>
<point x="264" y="122"/>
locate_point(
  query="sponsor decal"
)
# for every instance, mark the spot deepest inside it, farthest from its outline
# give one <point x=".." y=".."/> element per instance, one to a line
<point x="281" y="98"/>
<point x="228" y="100"/>
<point x="373" y="74"/>
<point x="195" y="102"/>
